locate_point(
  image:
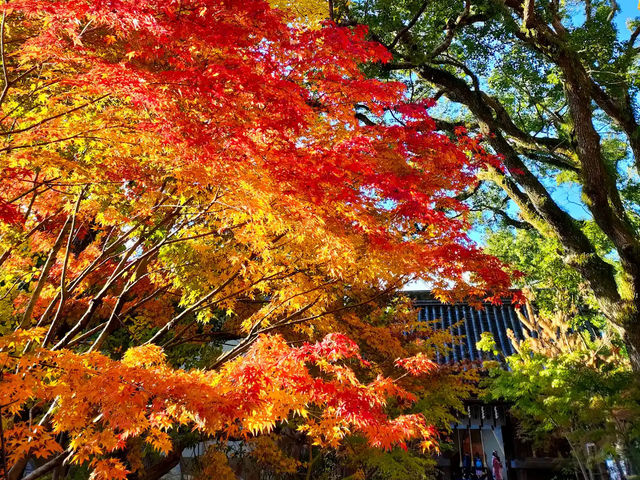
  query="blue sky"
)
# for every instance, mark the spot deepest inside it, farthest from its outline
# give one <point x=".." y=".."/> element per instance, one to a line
<point x="628" y="9"/>
<point x="566" y="195"/>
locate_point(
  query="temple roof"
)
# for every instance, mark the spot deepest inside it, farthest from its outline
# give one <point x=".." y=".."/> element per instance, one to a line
<point x="468" y="323"/>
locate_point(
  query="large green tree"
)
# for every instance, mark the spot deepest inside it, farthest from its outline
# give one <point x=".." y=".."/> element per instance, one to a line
<point x="552" y="86"/>
<point x="570" y="384"/>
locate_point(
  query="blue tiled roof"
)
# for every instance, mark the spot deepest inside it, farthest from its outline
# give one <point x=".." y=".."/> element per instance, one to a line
<point x="468" y="323"/>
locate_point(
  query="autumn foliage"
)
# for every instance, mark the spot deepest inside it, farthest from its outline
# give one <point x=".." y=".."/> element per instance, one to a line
<point x="178" y="174"/>
<point x="100" y="403"/>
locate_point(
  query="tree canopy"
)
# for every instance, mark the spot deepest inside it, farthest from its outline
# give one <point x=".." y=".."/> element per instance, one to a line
<point x="553" y="89"/>
<point x="177" y="175"/>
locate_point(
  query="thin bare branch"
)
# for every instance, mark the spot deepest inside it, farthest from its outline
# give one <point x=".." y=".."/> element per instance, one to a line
<point x="65" y="265"/>
<point x="44" y="274"/>
<point x="5" y="75"/>
<point x="53" y="117"/>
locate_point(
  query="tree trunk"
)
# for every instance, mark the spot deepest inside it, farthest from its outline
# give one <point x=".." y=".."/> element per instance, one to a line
<point x="164" y="466"/>
<point x="631" y="337"/>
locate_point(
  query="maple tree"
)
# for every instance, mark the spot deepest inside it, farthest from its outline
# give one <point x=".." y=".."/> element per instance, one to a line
<point x="441" y="394"/>
<point x="386" y="329"/>
<point x="180" y="174"/>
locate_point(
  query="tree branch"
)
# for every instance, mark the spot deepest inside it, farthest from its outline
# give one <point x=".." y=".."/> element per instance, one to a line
<point x="47" y="467"/>
<point x="409" y="25"/>
<point x="44" y="274"/>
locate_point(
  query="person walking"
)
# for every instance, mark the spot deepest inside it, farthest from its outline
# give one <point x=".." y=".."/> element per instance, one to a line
<point x="466" y="466"/>
<point x="478" y="465"/>
<point x="497" y="466"/>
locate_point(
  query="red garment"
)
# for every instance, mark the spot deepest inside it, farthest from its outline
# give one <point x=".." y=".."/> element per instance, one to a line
<point x="497" y="469"/>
